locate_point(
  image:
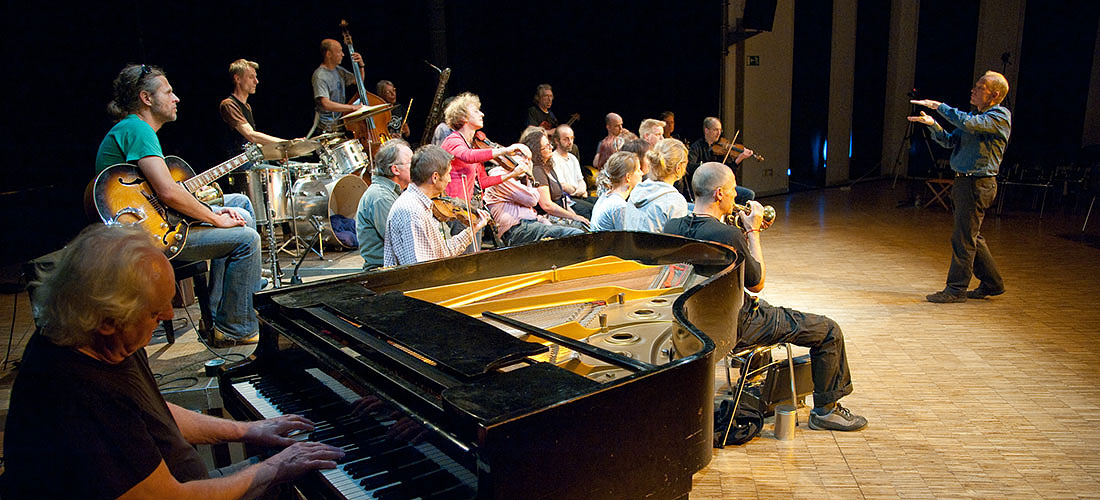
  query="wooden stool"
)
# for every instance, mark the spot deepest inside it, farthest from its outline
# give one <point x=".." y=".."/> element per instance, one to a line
<point x="940" y="189"/>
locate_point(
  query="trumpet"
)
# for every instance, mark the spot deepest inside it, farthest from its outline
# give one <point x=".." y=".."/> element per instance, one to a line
<point x="734" y="220"/>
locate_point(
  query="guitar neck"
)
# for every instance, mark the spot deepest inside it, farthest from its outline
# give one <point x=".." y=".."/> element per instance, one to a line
<point x="193" y="184"/>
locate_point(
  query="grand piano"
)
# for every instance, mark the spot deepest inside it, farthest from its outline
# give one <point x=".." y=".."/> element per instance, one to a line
<point x="573" y="368"/>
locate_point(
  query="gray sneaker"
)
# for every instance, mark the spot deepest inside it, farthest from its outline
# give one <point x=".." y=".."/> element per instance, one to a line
<point x="840" y="419"/>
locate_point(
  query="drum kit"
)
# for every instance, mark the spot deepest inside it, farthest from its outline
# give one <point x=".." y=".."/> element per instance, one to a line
<point x="305" y="197"/>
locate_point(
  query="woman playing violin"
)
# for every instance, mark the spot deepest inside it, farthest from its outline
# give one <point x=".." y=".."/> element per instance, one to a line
<point x="702" y="151"/>
<point x="465" y="117"/>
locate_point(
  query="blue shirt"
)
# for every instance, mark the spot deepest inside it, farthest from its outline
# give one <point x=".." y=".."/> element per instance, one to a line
<point x="130" y="140"/>
<point x="370" y="219"/>
<point x="978" y="141"/>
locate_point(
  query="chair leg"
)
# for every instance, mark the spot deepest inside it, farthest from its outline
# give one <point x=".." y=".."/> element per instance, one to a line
<point x="1086" y="224"/>
<point x="794" y="392"/>
<point x="205" y="328"/>
<point x="169" y="332"/>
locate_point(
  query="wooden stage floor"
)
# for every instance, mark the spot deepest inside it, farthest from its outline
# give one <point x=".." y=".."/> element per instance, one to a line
<point x="990" y="398"/>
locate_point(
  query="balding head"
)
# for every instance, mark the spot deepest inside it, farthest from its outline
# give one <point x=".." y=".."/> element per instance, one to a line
<point x="708" y="178"/>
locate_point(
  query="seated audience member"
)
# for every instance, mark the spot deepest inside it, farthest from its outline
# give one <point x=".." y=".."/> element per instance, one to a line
<point x="553" y="200"/>
<point x="412" y="232"/>
<point x="389" y="178"/>
<point x="656" y="196"/>
<point x="612" y="212"/>
<point x="651" y="130"/>
<point x="566" y="165"/>
<point x="616" y="137"/>
<point x="87" y="419"/>
<point x="761" y="323"/>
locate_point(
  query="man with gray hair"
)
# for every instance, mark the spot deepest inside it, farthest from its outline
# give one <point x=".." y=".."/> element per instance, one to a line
<point x="87" y="419"/>
<point x="702" y="151"/>
<point x="389" y="178"/>
<point x="651" y="130"/>
<point x="412" y="234"/>
<point x="237" y="113"/>
<point x="978" y="143"/>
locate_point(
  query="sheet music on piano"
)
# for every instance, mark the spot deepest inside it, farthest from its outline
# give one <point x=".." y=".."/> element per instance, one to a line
<point x="430" y="398"/>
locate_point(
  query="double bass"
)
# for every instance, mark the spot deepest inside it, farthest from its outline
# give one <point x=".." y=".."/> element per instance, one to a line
<point x="371" y="131"/>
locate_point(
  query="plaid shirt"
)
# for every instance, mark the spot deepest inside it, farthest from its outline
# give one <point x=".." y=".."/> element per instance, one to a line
<point x="413" y="235"/>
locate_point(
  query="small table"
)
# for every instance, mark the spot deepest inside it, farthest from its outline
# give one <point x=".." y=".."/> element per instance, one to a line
<point x="940" y="189"/>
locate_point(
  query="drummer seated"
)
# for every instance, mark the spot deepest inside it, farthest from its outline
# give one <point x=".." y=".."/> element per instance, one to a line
<point x="512" y="205"/>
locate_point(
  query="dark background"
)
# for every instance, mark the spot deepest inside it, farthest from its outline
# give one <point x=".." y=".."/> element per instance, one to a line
<point x="634" y="58"/>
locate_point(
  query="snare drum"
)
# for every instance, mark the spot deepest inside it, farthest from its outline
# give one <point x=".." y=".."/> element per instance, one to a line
<point x="251" y="184"/>
<point x="343" y="158"/>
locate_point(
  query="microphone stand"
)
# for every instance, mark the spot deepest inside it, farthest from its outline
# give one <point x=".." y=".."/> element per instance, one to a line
<point x="315" y="220"/>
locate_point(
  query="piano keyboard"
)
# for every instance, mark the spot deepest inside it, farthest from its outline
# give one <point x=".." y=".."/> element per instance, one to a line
<point x="376" y="465"/>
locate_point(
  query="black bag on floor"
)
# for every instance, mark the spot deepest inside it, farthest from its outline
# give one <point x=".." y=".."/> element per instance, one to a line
<point x="746" y="423"/>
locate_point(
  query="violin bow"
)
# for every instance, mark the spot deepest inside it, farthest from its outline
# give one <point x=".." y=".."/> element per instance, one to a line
<point x="732" y="142"/>
<point x="469" y="214"/>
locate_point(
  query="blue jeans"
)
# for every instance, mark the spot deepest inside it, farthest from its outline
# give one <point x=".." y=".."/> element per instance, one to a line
<point x="744" y="194"/>
<point x="528" y="231"/>
<point x="235" y="260"/>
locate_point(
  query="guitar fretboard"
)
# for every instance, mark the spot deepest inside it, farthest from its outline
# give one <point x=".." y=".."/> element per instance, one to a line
<point x="198" y="181"/>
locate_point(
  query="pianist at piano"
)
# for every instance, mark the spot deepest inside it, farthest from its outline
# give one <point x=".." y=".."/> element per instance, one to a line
<point x="86" y="418"/>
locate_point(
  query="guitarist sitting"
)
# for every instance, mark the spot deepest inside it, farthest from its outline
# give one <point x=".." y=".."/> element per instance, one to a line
<point x="143" y="102"/>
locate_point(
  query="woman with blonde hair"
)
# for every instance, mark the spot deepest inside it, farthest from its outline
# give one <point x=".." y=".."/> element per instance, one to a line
<point x="612" y="212"/>
<point x="656" y="196"/>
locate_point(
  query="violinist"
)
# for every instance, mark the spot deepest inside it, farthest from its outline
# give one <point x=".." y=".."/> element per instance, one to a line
<point x="329" y="85"/>
<point x="512" y="204"/>
<point x="464" y="115"/>
<point x="553" y="200"/>
<point x="412" y="232"/>
<point x="702" y="151"/>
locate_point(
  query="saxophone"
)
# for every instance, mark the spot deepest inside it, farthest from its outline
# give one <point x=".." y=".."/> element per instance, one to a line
<point x="434" y="111"/>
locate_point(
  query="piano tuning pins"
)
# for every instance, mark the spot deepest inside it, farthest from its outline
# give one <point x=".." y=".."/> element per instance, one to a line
<point x="622" y="298"/>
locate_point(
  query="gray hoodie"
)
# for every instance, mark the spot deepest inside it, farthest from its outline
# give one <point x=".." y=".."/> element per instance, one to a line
<point x="659" y="201"/>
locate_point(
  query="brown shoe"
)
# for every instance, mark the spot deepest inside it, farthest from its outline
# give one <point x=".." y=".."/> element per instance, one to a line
<point x="945" y="297"/>
<point x="223" y="340"/>
<point x="982" y="292"/>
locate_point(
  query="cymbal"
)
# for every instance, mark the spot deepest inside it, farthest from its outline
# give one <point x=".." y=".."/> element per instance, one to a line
<point x="330" y="137"/>
<point x="367" y="112"/>
<point x="289" y="149"/>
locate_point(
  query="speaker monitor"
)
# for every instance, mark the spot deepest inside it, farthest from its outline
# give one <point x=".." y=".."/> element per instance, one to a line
<point x="758" y="15"/>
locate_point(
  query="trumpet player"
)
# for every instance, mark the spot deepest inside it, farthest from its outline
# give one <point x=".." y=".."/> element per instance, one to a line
<point x="761" y="323"/>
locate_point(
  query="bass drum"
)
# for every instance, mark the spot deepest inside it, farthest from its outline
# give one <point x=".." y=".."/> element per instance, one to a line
<point x="251" y="184"/>
<point x="326" y="197"/>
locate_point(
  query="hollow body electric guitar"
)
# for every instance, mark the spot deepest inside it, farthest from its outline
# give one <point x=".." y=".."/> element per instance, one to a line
<point x="120" y="194"/>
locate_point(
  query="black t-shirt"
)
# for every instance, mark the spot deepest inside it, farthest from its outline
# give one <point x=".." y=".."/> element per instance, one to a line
<point x="706" y="228"/>
<point x="536" y="116"/>
<point x="82" y="428"/>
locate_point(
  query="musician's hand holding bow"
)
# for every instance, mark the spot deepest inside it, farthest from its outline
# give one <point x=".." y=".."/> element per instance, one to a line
<point x="275" y="432"/>
<point x="482" y="220"/>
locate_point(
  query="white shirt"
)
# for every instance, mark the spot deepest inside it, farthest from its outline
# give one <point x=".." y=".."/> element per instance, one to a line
<point x="413" y="235"/>
<point x="568" y="170"/>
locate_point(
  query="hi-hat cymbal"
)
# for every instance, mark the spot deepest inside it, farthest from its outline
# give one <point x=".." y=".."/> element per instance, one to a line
<point x="289" y="149"/>
<point x="367" y="112"/>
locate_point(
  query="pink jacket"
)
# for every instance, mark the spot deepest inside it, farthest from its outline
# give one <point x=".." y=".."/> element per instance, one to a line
<point x="467" y="162"/>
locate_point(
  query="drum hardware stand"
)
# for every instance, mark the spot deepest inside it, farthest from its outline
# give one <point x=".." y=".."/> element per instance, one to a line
<point x="315" y="220"/>
<point x="269" y="226"/>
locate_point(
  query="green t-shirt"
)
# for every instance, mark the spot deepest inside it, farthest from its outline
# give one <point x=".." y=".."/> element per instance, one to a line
<point x="130" y="140"/>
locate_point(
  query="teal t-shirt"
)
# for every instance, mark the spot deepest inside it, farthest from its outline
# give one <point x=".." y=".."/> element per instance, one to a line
<point x="130" y="140"/>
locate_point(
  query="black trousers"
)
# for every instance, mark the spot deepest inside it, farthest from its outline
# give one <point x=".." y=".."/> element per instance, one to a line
<point x="768" y="324"/>
<point x="970" y="256"/>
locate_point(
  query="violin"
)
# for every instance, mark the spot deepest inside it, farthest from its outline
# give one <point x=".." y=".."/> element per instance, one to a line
<point x="723" y="147"/>
<point x="509" y="161"/>
<point x="446" y="209"/>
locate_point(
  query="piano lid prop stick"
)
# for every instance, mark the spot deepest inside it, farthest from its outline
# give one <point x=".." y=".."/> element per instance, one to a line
<point x="581" y="347"/>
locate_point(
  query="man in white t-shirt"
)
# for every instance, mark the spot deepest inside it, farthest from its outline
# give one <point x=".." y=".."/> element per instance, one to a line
<point x="566" y="166"/>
